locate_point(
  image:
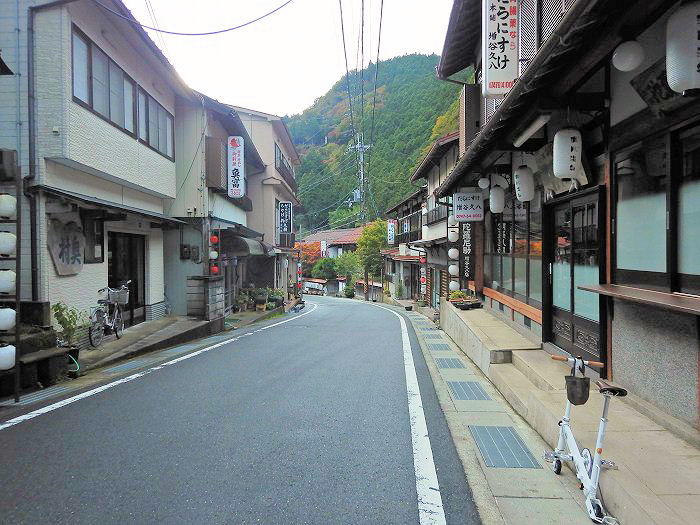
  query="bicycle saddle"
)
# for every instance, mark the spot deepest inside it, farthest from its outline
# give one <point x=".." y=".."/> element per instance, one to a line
<point x="606" y="388"/>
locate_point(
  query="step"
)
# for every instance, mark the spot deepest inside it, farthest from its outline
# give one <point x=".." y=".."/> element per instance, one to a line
<point x="513" y="385"/>
<point x="545" y="373"/>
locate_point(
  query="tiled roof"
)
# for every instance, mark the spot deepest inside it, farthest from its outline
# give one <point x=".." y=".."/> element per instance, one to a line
<point x="314" y="280"/>
<point x="327" y="235"/>
<point x="406" y="258"/>
<point x="350" y="237"/>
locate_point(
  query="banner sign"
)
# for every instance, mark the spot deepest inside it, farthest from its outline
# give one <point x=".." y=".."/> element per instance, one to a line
<point x="235" y="167"/>
<point x="499" y="46"/>
<point x="466" y="247"/>
<point x="469" y="205"/>
<point x="285" y="217"/>
<point x="423" y="280"/>
<point x="390" y="232"/>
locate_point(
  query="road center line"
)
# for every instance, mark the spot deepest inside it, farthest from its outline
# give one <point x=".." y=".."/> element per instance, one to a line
<point x="430" y="510"/>
<point x="55" y="406"/>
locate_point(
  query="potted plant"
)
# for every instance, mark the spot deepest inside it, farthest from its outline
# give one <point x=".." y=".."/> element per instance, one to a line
<point x="458" y="296"/>
<point x="69" y="319"/>
<point x="260" y="295"/>
<point x="277" y="297"/>
<point x="242" y="301"/>
<point x="422" y="302"/>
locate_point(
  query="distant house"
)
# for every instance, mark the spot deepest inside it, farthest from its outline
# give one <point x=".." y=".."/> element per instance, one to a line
<point x="336" y="242"/>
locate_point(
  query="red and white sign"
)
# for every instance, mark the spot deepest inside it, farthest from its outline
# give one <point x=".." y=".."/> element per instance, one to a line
<point x="499" y="46"/>
<point x="235" y="167"/>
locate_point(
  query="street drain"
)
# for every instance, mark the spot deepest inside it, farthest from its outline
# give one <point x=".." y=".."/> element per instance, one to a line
<point x="449" y="362"/>
<point x="439" y="347"/>
<point x="136" y="363"/>
<point x="38" y="396"/>
<point x="432" y="336"/>
<point x="502" y="447"/>
<point x="468" y="391"/>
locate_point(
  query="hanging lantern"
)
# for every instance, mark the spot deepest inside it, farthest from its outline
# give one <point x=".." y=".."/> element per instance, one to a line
<point x="8" y="278"/>
<point x="484" y="183"/>
<point x="453" y="253"/>
<point x="453" y="270"/>
<point x="8" y="244"/>
<point x="214" y="239"/>
<point x="682" y="42"/>
<point x="451" y="221"/>
<point x="7" y="319"/>
<point x="454" y="286"/>
<point x="213" y="254"/>
<point x="7" y="356"/>
<point x="215" y="270"/>
<point x="497" y="199"/>
<point x="453" y="235"/>
<point x="423" y="280"/>
<point x="524" y="182"/>
<point x="628" y="56"/>
<point x="8" y="207"/>
<point x="566" y="153"/>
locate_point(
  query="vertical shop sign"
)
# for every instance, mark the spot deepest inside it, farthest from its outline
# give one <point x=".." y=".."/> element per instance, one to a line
<point x="466" y="248"/>
<point x="390" y="232"/>
<point x="499" y="46"/>
<point x="235" y="167"/>
<point x="285" y="218"/>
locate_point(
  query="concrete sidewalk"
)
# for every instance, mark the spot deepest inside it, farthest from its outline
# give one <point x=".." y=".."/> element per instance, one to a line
<point x="658" y="476"/>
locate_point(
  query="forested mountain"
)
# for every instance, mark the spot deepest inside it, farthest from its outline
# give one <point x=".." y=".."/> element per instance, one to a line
<point x="413" y="108"/>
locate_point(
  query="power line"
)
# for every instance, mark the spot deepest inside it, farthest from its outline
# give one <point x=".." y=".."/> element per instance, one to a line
<point x="330" y="175"/>
<point x="178" y="33"/>
<point x="374" y="104"/>
<point x="152" y="14"/>
<point x="347" y="71"/>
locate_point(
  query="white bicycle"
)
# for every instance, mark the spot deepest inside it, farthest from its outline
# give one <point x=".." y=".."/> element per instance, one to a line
<point x="588" y="466"/>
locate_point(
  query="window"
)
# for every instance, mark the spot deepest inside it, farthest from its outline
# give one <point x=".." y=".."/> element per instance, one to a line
<point x="689" y="213"/>
<point x="81" y="69"/>
<point x="102" y="86"/>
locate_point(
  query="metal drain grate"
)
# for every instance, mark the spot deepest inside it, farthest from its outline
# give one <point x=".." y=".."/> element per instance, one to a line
<point x="427" y="328"/>
<point x="180" y="349"/>
<point x="38" y="396"/>
<point x="439" y="347"/>
<point x="432" y="336"/>
<point x="449" y="362"/>
<point x="136" y="363"/>
<point x="468" y="391"/>
<point x="502" y="447"/>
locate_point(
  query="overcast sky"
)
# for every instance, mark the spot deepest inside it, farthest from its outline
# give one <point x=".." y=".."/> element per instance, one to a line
<point x="283" y="62"/>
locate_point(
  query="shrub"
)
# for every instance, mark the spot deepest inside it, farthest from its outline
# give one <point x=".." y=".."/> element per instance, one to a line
<point x="458" y="294"/>
<point x="349" y="290"/>
<point x="69" y="319"/>
<point x="399" y="291"/>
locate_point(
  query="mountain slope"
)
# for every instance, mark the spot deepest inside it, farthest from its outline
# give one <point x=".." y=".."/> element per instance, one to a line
<point x="413" y="108"/>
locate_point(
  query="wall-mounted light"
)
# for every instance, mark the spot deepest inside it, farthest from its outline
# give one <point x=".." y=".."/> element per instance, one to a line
<point x="628" y="56"/>
<point x="682" y="72"/>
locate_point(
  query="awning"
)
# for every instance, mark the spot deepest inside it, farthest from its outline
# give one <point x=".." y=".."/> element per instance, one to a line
<point x="103" y="203"/>
<point x="217" y="223"/>
<point x="242" y="246"/>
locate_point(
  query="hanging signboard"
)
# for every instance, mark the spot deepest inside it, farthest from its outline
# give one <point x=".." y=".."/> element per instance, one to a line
<point x="466" y="259"/>
<point x="324" y="248"/>
<point x="285" y="219"/>
<point x="423" y="280"/>
<point x="390" y="232"/>
<point x="468" y="205"/>
<point x="499" y="46"/>
<point x="66" y="243"/>
<point x="235" y="167"/>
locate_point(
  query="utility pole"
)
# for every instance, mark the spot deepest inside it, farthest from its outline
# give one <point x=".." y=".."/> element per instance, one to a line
<point x="361" y="147"/>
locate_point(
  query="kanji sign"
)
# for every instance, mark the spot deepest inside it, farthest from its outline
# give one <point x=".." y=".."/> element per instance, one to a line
<point x="235" y="167"/>
<point x="390" y="232"/>
<point x="468" y="206"/>
<point x="466" y="248"/>
<point x="499" y="46"/>
<point x="66" y="243"/>
<point x="285" y="217"/>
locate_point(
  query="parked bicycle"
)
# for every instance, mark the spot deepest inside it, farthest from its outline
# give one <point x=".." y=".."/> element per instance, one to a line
<point x="587" y="465"/>
<point x="107" y="317"/>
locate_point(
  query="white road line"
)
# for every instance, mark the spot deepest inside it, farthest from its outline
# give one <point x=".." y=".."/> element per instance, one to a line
<point x="430" y="510"/>
<point x="89" y="393"/>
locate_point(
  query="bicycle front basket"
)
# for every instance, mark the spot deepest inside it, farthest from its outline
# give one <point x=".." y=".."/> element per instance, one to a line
<point x="119" y="296"/>
<point x="577" y="389"/>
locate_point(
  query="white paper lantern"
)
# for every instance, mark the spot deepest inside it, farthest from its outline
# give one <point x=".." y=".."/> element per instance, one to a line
<point x="8" y="278"/>
<point x="8" y="206"/>
<point x="566" y="153"/>
<point x="7" y="319"/>
<point x="524" y="182"/>
<point x="453" y="269"/>
<point x="7" y="357"/>
<point x="628" y="56"/>
<point x="451" y="221"/>
<point x="682" y="42"/>
<point x="213" y="254"/>
<point x="454" y="286"/>
<point x="8" y="244"/>
<point x="497" y="199"/>
<point x="453" y="235"/>
<point x="500" y="180"/>
<point x="484" y="183"/>
<point x="453" y="253"/>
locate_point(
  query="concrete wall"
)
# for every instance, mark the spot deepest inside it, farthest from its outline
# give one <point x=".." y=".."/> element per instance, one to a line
<point x="176" y="271"/>
<point x="655" y="356"/>
<point x="190" y="121"/>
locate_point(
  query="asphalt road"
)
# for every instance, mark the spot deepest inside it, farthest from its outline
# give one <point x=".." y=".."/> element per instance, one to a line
<point x="305" y="422"/>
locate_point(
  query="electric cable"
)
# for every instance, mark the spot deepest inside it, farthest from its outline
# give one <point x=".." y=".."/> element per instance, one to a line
<point x="178" y="33"/>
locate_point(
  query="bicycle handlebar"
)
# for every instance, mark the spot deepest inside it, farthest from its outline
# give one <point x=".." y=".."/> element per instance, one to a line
<point x="123" y="286"/>
<point x="572" y="360"/>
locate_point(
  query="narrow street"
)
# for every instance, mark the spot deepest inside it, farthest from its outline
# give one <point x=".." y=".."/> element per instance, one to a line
<point x="306" y="421"/>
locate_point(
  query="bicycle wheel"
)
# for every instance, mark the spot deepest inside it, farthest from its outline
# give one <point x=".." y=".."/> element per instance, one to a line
<point x="96" y="332"/>
<point x="118" y="322"/>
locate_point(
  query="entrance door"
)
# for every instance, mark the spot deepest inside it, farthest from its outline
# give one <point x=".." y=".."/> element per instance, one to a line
<point x="576" y="257"/>
<point x="126" y="260"/>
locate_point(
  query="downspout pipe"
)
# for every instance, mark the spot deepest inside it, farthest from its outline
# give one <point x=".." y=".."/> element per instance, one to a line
<point x="31" y="133"/>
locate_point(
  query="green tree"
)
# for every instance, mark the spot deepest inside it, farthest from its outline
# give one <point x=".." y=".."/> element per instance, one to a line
<point x="324" y="269"/>
<point x="348" y="265"/>
<point x="371" y="241"/>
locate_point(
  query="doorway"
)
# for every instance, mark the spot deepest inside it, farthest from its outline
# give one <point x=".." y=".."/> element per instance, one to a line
<point x="126" y="260"/>
<point x="575" y="256"/>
